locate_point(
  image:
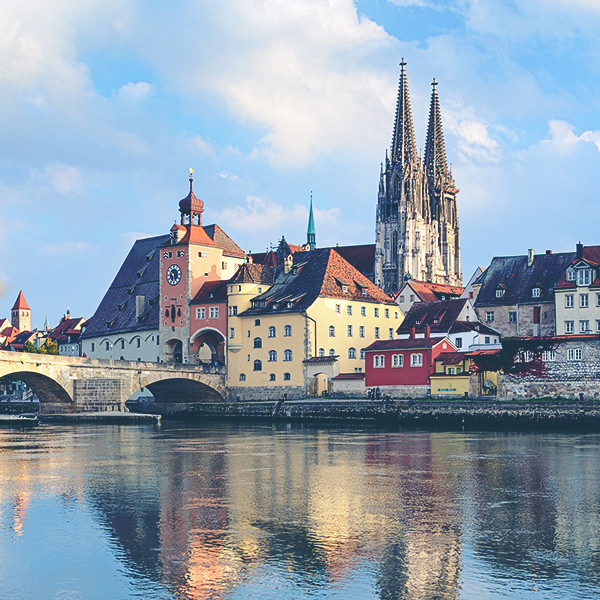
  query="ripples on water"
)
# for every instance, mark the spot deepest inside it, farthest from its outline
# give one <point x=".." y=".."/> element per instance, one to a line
<point x="259" y="511"/>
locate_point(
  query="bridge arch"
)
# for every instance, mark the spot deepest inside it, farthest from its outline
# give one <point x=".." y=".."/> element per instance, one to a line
<point x="53" y="396"/>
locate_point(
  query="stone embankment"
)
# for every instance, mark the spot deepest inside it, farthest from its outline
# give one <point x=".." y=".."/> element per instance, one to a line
<point x="478" y="413"/>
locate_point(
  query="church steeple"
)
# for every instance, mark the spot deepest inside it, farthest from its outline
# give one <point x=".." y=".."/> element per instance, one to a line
<point x="191" y="207"/>
<point x="403" y="142"/>
<point x="435" y="150"/>
<point x="311" y="232"/>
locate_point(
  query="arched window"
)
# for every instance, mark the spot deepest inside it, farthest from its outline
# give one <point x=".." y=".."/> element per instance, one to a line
<point x="272" y="377"/>
<point x="362" y="352"/>
<point x="257" y="342"/>
<point x="321" y="351"/>
<point x="287" y="331"/>
<point x="331" y="352"/>
<point x="287" y="355"/>
<point x="256" y="322"/>
<point x="242" y="376"/>
<point x="351" y="352"/>
<point x="271" y="331"/>
<point x="258" y="365"/>
<point x="272" y="355"/>
<point x="286" y="376"/>
<point x="331" y="331"/>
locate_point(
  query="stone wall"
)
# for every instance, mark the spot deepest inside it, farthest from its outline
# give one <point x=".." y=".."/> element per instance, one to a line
<point x="249" y="394"/>
<point x="405" y="391"/>
<point x="525" y="319"/>
<point x="348" y="388"/>
<point x="97" y="394"/>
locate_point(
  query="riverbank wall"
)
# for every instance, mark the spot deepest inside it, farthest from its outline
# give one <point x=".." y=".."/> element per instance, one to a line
<point x="410" y="413"/>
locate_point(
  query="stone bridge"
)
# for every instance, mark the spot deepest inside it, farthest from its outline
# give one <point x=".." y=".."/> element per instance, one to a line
<point x="67" y="384"/>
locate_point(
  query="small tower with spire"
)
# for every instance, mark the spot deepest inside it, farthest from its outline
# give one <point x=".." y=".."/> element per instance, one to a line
<point x="20" y="314"/>
<point x="311" y="232"/>
<point x="191" y="207"/>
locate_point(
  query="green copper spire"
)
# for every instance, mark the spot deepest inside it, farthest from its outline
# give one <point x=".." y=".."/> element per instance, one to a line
<point x="311" y="232"/>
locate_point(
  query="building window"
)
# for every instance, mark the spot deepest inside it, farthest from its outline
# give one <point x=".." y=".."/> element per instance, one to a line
<point x="108" y="345"/>
<point x="272" y="356"/>
<point x="271" y="331"/>
<point x="574" y="354"/>
<point x="286" y="376"/>
<point x="583" y="276"/>
<point x="231" y="332"/>
<point x="257" y="322"/>
<point x="201" y="313"/>
<point x="549" y="355"/>
<point x="287" y="331"/>
<point x="569" y="301"/>
<point x="416" y="360"/>
<point x="272" y="377"/>
<point x="232" y="311"/>
<point x="331" y="331"/>
<point x="512" y="316"/>
<point x="258" y="365"/>
<point x="338" y="308"/>
<point x="351" y="352"/>
<point x="213" y="312"/>
<point x="376" y="333"/>
<point x="321" y="351"/>
<point x="123" y="344"/>
<point x="391" y="333"/>
<point x="379" y="361"/>
<point x="331" y="352"/>
<point x="376" y="312"/>
<point x="584" y="326"/>
<point x="487" y="339"/>
<point x="349" y="330"/>
<point x="489" y="316"/>
<point x="570" y="274"/>
<point x="387" y="313"/>
<point x="412" y="298"/>
<point x="598" y="325"/>
<point x="257" y="342"/>
<point x="597" y="299"/>
<point x="583" y="300"/>
<point x="536" y="292"/>
<point x="363" y="311"/>
<point x="139" y="342"/>
<point x="349" y="310"/>
<point x="362" y="353"/>
<point x="397" y="360"/>
<point x="93" y="346"/>
<point x="401" y="299"/>
<point x="569" y="326"/>
<point x="361" y="331"/>
<point x="458" y="342"/>
<point x="287" y="355"/>
<point x="499" y="293"/>
<point x="242" y="376"/>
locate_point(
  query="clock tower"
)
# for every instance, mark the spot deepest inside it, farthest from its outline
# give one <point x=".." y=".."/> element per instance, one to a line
<point x="192" y="257"/>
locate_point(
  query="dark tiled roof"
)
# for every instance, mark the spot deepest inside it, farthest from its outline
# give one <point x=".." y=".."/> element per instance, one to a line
<point x="349" y="376"/>
<point x="591" y="255"/>
<point x="138" y="275"/>
<point x="425" y="314"/>
<point x="314" y="274"/>
<point x="221" y="239"/>
<point x="451" y="358"/>
<point x="253" y="273"/>
<point x="408" y="344"/>
<point x="460" y="326"/>
<point x="361" y="257"/>
<point x="321" y="359"/>
<point x="512" y="274"/>
<point x="211" y="291"/>
<point x="65" y="328"/>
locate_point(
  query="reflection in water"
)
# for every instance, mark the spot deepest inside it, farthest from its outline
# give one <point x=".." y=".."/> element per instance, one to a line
<point x="246" y="511"/>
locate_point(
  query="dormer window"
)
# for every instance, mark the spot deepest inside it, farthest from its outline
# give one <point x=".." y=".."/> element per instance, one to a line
<point x="584" y="276"/>
<point x="499" y="293"/>
<point x="345" y="289"/>
<point x="536" y="292"/>
<point x="570" y="274"/>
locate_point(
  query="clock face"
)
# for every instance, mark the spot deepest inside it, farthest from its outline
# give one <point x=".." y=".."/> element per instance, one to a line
<point x="173" y="274"/>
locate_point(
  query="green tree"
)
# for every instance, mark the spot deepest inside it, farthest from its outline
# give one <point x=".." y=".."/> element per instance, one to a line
<point x="29" y="347"/>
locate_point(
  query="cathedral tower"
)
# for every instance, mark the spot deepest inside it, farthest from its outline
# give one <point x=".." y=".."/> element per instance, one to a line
<point x="417" y="231"/>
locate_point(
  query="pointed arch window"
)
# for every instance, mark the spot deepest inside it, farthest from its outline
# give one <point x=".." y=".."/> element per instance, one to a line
<point x="257" y="342"/>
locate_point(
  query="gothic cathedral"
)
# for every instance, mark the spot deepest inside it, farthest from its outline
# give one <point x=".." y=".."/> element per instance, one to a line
<point x="417" y="233"/>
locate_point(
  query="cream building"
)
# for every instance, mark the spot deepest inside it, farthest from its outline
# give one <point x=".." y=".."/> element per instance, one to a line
<point x="313" y="322"/>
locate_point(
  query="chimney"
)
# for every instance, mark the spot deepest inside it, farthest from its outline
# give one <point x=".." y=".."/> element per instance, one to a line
<point x="287" y="263"/>
<point x="413" y="333"/>
<point x="579" y="253"/>
<point x="530" y="256"/>
<point x="140" y="301"/>
<point x="548" y="252"/>
<point x="427" y="332"/>
<point x="249" y="259"/>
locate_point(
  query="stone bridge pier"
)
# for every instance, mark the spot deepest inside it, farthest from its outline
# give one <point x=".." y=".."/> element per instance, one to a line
<point x="66" y="384"/>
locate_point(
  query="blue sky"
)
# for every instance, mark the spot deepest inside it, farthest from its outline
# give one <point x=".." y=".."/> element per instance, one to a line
<point x="105" y="104"/>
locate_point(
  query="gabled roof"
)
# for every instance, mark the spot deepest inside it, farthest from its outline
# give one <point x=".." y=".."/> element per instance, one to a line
<point x="4" y="324"/>
<point x="20" y="303"/>
<point x="430" y="292"/>
<point x="253" y="273"/>
<point x="211" y="292"/>
<point x="223" y="241"/>
<point x="520" y="279"/>
<point x="408" y="344"/>
<point x="320" y="273"/>
<point x="138" y="275"/>
<point x="591" y="256"/>
<point x="438" y="316"/>
<point x="451" y="358"/>
<point x="361" y="257"/>
<point x="65" y="328"/>
<point x="460" y="326"/>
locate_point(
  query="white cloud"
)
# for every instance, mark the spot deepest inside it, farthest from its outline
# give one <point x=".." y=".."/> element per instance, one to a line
<point x="136" y="91"/>
<point x="65" y="248"/>
<point x="228" y="176"/>
<point x="198" y="144"/>
<point x="475" y="142"/>
<point x="65" y="179"/>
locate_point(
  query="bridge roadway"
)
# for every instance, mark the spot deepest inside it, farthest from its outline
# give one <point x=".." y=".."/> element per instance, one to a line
<point x="68" y="384"/>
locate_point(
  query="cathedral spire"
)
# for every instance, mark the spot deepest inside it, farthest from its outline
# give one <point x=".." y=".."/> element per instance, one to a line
<point x="403" y="142"/>
<point x="435" y="150"/>
<point x="311" y="232"/>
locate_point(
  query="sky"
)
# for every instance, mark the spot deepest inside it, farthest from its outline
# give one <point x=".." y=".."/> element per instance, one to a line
<point x="106" y="104"/>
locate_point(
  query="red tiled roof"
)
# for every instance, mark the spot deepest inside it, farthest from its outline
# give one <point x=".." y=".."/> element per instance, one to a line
<point x="253" y="273"/>
<point x="350" y="376"/>
<point x="408" y="344"/>
<point x="430" y="292"/>
<point x="211" y="291"/>
<point x="20" y="303"/>
<point x="67" y="327"/>
<point x="425" y="314"/>
<point x="451" y="358"/>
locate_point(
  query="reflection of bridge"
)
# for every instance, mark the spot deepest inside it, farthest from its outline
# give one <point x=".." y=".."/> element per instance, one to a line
<point x="72" y="384"/>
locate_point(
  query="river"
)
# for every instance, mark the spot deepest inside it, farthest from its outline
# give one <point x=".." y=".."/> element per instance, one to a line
<point x="259" y="511"/>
